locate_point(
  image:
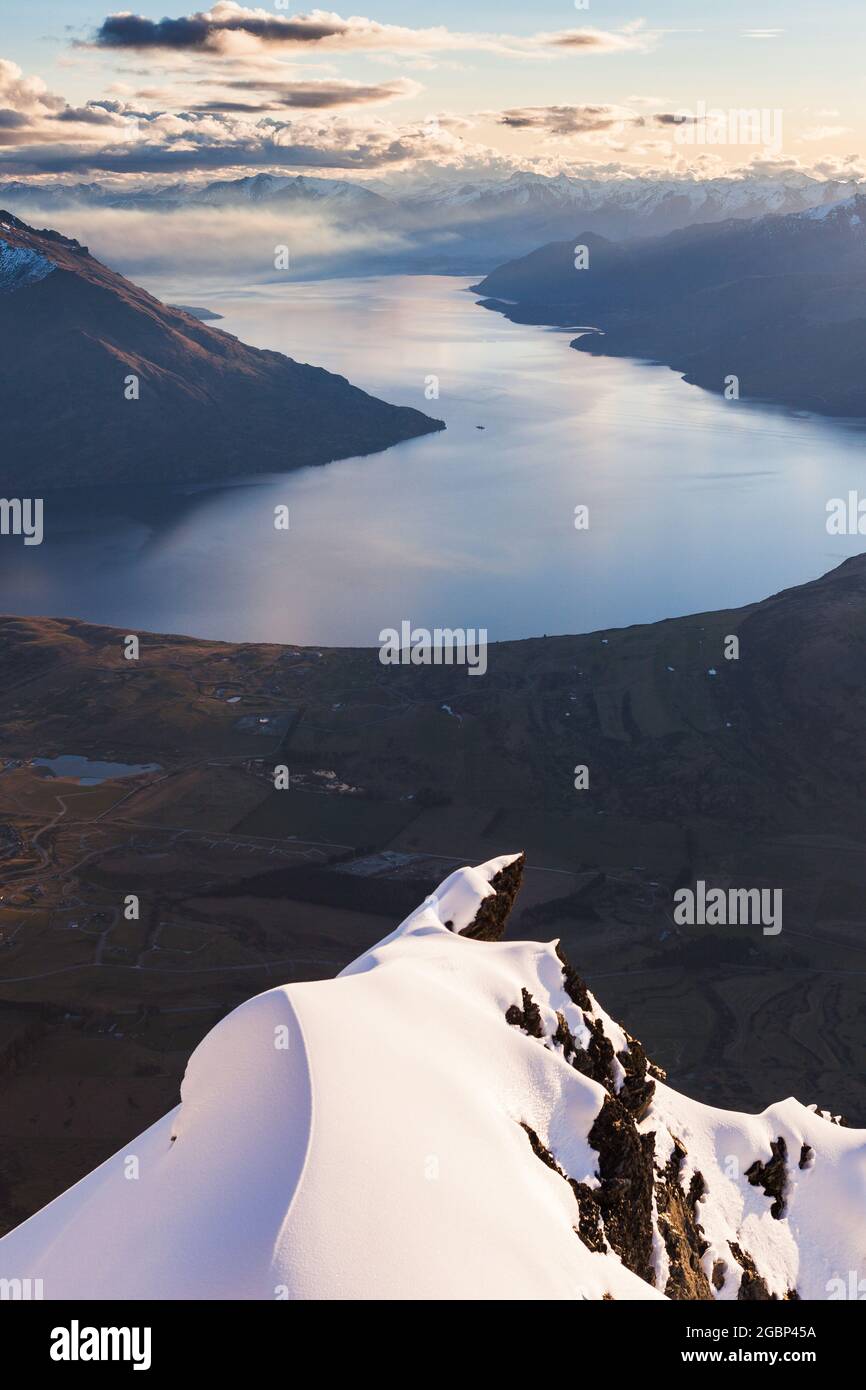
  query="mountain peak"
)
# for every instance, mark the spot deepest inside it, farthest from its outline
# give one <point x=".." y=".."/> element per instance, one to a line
<point x="501" y="1137"/>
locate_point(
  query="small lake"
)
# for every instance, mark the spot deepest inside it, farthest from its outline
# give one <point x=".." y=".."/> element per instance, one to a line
<point x="694" y="502"/>
<point x="90" y="772"/>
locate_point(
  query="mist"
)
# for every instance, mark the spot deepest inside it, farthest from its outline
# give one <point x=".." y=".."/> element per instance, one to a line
<point x="208" y="247"/>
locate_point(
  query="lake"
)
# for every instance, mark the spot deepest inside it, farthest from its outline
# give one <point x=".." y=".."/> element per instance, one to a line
<point x="694" y="502"/>
<point x="90" y="772"/>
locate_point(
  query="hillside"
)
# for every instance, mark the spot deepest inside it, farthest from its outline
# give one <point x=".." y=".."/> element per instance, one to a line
<point x="208" y="406"/>
<point x="778" y="301"/>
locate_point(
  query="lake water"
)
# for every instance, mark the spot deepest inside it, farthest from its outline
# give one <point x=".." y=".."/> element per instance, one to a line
<point x="90" y="772"/>
<point x="694" y="503"/>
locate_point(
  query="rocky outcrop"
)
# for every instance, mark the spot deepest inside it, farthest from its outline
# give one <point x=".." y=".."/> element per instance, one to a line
<point x="637" y="1196"/>
<point x="752" y="1287"/>
<point x="590" y="1224"/>
<point x="681" y="1230"/>
<point x="528" y="1017"/>
<point x="638" y="1087"/>
<point x="625" y="1168"/>
<point x="772" y="1176"/>
<point x="492" y="916"/>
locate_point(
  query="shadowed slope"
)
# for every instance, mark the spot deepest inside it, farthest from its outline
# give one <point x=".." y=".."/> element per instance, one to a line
<point x="208" y="405"/>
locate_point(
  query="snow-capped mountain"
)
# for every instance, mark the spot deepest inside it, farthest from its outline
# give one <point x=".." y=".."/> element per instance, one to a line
<point x="339" y="194"/>
<point x="847" y="213"/>
<point x="252" y="191"/>
<point x="623" y="207"/>
<point x="454" y="1116"/>
<point x="451" y="224"/>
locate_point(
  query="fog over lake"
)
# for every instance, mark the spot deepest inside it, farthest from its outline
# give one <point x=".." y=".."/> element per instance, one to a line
<point x="694" y="502"/>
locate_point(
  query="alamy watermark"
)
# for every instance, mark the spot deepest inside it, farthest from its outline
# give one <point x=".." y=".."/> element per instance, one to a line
<point x="22" y="516"/>
<point x="851" y="1288"/>
<point x="729" y="907"/>
<point x="443" y="646"/>
<point x="77" y="1343"/>
<point x="846" y="516"/>
<point x="710" y="125"/>
<point x="21" y="1290"/>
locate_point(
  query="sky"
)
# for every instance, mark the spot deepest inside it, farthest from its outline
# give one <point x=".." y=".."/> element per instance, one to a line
<point x="409" y="89"/>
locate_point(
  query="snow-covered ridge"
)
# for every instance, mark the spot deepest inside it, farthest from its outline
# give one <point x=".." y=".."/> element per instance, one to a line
<point x="849" y="211"/>
<point x="454" y="1116"/>
<point x="20" y="266"/>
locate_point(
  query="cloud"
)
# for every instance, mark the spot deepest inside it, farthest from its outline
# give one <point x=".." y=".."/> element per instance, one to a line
<point x="231" y="29"/>
<point x="453" y="120"/>
<point x="825" y="132"/>
<point x="40" y="133"/>
<point x="210" y="29"/>
<point x="198" y="247"/>
<point x="599" y="41"/>
<point x="648" y="101"/>
<point x="25" y="94"/>
<point x="318" y="94"/>
<point x="12" y="120"/>
<point x="93" y="114"/>
<point x="186" y="142"/>
<point x="842" y="167"/>
<point x="677" y="118"/>
<point x="562" y="122"/>
<point x="29" y="113"/>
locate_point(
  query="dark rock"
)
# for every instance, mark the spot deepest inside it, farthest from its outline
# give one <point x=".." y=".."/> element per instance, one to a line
<point x="834" y="1119"/>
<point x="528" y="1018"/>
<point x="637" y="1091"/>
<point x="681" y="1231"/>
<point x="589" y="1226"/>
<point x="565" y="1037"/>
<point x="591" y="1222"/>
<point x="596" y="1060"/>
<point x="753" y="1287"/>
<point x="573" y="984"/>
<point x="492" y="916"/>
<point x="625" y="1195"/>
<point x="772" y="1176"/>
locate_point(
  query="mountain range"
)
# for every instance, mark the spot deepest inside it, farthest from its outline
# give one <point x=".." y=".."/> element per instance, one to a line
<point x="779" y="302"/>
<point x="455" y="1116"/>
<point x="103" y="383"/>
<point x="454" y="223"/>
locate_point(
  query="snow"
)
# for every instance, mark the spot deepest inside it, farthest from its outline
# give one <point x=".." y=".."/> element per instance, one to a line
<point x="707" y="199"/>
<point x="361" y="1138"/>
<point x="822" y="1234"/>
<point x="847" y="207"/>
<point x="20" y="266"/>
<point x="259" y="188"/>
